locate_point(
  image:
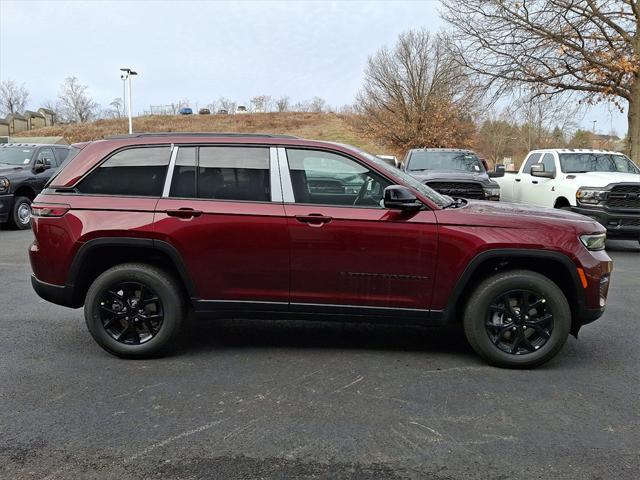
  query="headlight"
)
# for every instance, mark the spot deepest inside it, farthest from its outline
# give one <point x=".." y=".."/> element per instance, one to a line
<point x="590" y="195"/>
<point x="4" y="184"/>
<point x="594" y="242"/>
<point x="492" y="191"/>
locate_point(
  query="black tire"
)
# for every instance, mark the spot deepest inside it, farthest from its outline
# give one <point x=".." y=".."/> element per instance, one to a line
<point x="18" y="220"/>
<point x="490" y="324"/>
<point x="105" y="324"/>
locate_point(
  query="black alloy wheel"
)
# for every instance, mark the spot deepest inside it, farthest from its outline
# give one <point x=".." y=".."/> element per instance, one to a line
<point x="519" y="322"/>
<point x="131" y="313"/>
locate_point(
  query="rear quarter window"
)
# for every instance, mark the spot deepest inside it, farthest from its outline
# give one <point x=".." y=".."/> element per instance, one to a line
<point x="134" y="171"/>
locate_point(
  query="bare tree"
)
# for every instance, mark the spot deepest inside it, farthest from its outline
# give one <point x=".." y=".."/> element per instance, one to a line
<point x="418" y="94"/>
<point x="74" y="104"/>
<point x="591" y="47"/>
<point x="13" y="97"/>
<point x="282" y="104"/>
<point x="317" y="105"/>
<point x="226" y="104"/>
<point x="116" y="109"/>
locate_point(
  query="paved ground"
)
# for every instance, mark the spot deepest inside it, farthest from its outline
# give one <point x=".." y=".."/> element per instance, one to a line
<point x="301" y="401"/>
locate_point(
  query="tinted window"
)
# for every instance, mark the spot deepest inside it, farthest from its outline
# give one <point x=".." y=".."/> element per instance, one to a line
<point x="326" y="178"/>
<point x="596" y="162"/>
<point x="548" y="162"/>
<point x="421" y="160"/>
<point x="62" y="154"/>
<point x="46" y="155"/>
<point x="533" y="159"/>
<point x="234" y="173"/>
<point x="135" y="171"/>
<point x="183" y="182"/>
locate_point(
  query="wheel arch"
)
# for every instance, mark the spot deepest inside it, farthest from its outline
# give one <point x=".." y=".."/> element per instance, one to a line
<point x="556" y="266"/>
<point x="25" y="191"/>
<point x="98" y="255"/>
<point x="561" y="201"/>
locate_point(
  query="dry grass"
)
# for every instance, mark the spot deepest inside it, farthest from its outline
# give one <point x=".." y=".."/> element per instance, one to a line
<point x="317" y="126"/>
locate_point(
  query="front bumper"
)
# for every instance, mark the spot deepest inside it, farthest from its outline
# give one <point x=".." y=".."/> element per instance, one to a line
<point x="58" y="294"/>
<point x="6" y="204"/>
<point x="618" y="225"/>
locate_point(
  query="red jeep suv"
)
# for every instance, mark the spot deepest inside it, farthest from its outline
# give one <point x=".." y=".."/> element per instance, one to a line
<point x="142" y="228"/>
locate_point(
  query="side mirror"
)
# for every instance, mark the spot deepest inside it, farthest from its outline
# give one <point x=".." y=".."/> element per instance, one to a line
<point x="537" y="170"/>
<point x="42" y="164"/>
<point x="498" y="172"/>
<point x="397" y="197"/>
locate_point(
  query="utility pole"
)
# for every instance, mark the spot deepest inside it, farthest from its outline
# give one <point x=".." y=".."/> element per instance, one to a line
<point x="128" y="74"/>
<point x="594" y="126"/>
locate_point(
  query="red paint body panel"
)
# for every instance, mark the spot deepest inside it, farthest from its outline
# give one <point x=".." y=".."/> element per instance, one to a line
<point x="362" y="256"/>
<point x="233" y="251"/>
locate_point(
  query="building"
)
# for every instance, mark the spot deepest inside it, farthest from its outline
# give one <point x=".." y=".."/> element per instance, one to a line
<point x="35" y="119"/>
<point x="17" y="123"/>
<point x="49" y="116"/>
<point x="4" y="128"/>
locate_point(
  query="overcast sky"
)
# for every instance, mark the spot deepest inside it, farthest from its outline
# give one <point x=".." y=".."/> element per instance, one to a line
<point x="202" y="50"/>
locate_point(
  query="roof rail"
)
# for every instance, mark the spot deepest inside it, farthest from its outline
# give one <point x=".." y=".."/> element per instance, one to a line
<point x="197" y="134"/>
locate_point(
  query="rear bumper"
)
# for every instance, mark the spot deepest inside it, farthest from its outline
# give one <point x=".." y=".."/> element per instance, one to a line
<point x="618" y="225"/>
<point x="58" y="294"/>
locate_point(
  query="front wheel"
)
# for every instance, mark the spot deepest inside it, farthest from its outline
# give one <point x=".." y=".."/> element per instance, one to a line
<point x="517" y="319"/>
<point x="21" y="213"/>
<point x="134" y="310"/>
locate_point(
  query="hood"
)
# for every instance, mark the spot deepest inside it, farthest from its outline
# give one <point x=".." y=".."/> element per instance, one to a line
<point x="7" y="169"/>
<point x="449" y="176"/>
<point x="519" y="216"/>
<point x="602" y="179"/>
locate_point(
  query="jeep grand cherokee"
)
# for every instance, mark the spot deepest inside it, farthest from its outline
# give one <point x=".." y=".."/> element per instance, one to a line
<point x="140" y="229"/>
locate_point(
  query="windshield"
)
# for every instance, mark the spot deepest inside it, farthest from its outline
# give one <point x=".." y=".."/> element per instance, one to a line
<point x="431" y="194"/>
<point x="429" y="160"/>
<point x="15" y="155"/>
<point x="596" y="162"/>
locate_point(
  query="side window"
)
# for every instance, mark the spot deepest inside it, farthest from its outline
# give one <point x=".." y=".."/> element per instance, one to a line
<point x="135" y="171"/>
<point x="325" y="178"/>
<point x="46" y="155"/>
<point x="234" y="173"/>
<point x="548" y="162"/>
<point x="533" y="159"/>
<point x="183" y="182"/>
<point x="62" y="154"/>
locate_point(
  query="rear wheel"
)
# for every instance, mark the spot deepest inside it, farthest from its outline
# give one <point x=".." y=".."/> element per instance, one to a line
<point x="21" y="213"/>
<point x="134" y="310"/>
<point x="517" y="319"/>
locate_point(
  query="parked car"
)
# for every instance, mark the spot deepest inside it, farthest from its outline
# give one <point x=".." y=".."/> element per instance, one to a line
<point x="600" y="184"/>
<point x="241" y="109"/>
<point x="24" y="170"/>
<point x="454" y="172"/>
<point x="222" y="111"/>
<point x="185" y="111"/>
<point x="204" y="111"/>
<point x="142" y="228"/>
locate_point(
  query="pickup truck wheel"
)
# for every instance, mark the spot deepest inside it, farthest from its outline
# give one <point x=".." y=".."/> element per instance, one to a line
<point x="517" y="319"/>
<point x="21" y="213"/>
<point x="134" y="310"/>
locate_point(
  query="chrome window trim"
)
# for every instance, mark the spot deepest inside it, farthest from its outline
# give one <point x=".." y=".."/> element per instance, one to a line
<point x="274" y="175"/>
<point x="285" y="176"/>
<point x="169" y="177"/>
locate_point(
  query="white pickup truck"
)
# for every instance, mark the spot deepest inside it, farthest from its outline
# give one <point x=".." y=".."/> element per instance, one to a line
<point x="600" y="184"/>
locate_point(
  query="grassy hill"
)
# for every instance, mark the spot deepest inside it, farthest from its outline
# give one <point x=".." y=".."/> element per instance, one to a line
<point x="318" y="126"/>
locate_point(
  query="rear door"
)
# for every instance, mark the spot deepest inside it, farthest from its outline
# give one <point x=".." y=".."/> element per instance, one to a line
<point x="222" y="211"/>
<point x="523" y="178"/>
<point x="348" y="253"/>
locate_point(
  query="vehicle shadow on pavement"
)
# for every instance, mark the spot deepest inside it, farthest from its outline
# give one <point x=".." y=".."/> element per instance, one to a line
<point x="237" y="333"/>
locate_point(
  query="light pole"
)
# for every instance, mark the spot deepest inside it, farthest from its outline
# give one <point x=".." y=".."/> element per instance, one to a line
<point x="128" y="74"/>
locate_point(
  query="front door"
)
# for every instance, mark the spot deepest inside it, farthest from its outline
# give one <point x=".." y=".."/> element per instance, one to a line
<point x="217" y="212"/>
<point x="534" y="189"/>
<point x="347" y="250"/>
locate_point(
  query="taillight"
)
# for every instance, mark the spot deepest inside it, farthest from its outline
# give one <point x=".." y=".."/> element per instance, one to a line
<point x="49" y="209"/>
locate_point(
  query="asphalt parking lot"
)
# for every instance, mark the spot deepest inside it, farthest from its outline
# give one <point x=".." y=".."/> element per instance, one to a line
<point x="298" y="400"/>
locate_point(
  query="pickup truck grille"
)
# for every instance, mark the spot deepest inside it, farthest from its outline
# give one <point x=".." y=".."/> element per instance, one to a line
<point x="624" y="196"/>
<point x="458" y="189"/>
